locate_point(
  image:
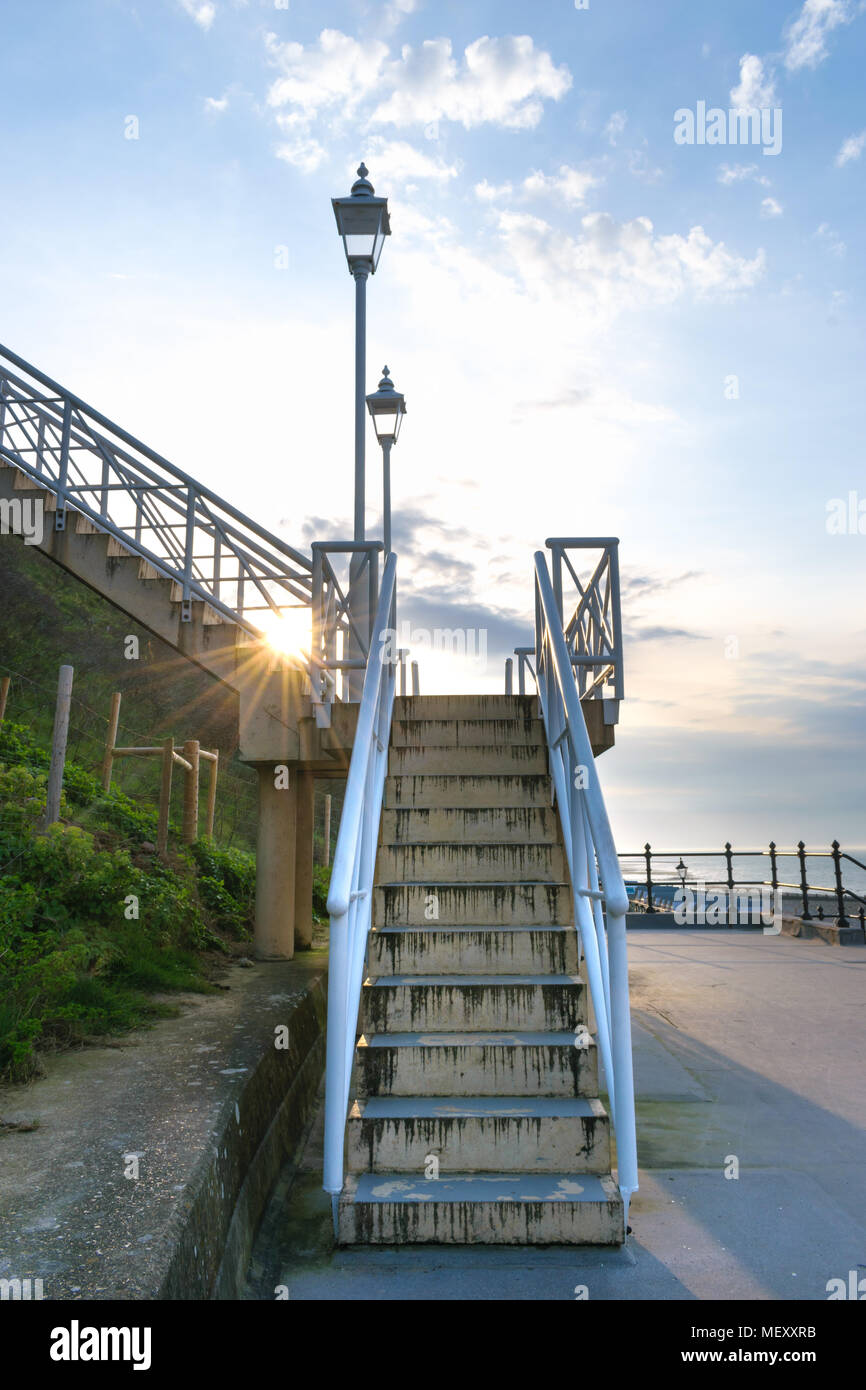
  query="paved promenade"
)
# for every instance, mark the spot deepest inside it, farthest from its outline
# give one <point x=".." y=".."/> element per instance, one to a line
<point x="750" y="1052"/>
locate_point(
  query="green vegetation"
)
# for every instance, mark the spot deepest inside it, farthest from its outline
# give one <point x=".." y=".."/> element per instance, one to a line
<point x="75" y="960"/>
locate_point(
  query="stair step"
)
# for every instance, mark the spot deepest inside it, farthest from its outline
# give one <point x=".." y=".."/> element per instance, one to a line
<point x="480" y="1209"/>
<point x="467" y="791"/>
<point x="474" y="904"/>
<point x="472" y="1003"/>
<point x="465" y="733"/>
<point x="459" y="863"/>
<point x="508" y="759"/>
<point x="478" y="1133"/>
<point x="516" y="1063"/>
<point x="472" y="950"/>
<point x="442" y="707"/>
<point x="520" y="825"/>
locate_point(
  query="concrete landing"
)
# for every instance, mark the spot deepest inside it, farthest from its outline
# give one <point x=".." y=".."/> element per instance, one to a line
<point x="746" y="1046"/>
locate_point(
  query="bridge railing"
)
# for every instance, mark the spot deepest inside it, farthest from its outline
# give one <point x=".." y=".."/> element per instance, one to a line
<point x="184" y="530"/>
<point x="350" y="900"/>
<point x="593" y="865"/>
<point x="592" y="630"/>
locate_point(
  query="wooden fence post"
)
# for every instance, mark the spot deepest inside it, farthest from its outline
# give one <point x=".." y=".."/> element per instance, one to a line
<point x="111" y="740"/>
<point x="211" y="793"/>
<point x="4" y="691"/>
<point x="190" y="792"/>
<point x="327" y="830"/>
<point x="58" y="745"/>
<point x="165" y="797"/>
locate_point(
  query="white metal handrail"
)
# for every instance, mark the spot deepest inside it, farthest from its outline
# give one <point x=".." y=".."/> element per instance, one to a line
<point x="350" y="900"/>
<point x="593" y="867"/>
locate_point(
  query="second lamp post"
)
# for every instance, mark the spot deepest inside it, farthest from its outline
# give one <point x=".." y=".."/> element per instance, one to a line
<point x="387" y="408"/>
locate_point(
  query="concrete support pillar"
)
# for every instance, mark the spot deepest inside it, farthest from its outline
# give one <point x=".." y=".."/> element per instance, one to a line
<point x="304" y="862"/>
<point x="275" y="863"/>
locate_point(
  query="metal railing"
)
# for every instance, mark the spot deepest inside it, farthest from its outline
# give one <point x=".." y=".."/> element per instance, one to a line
<point x="350" y="900"/>
<point x="593" y="631"/>
<point x="183" y="530"/>
<point x="653" y="892"/>
<point x="593" y="866"/>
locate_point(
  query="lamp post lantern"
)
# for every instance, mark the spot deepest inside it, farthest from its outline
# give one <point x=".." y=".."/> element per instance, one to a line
<point x="363" y="224"/>
<point x="387" y="407"/>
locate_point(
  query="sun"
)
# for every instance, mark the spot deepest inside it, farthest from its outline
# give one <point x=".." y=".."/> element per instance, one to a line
<point x="288" y="632"/>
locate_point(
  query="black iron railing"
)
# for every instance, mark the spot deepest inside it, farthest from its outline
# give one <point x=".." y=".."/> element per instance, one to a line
<point x="655" y="894"/>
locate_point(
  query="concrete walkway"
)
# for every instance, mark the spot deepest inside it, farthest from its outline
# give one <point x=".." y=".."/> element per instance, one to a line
<point x="149" y="1153"/>
<point x="747" y="1047"/>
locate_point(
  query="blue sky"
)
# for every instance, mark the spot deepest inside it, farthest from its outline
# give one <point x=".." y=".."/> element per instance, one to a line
<point x="565" y="300"/>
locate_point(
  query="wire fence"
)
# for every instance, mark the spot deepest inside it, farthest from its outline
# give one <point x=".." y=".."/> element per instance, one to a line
<point x="30" y="703"/>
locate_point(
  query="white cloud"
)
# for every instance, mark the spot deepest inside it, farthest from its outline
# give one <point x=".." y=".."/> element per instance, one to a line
<point x="851" y="149"/>
<point x="397" y="10"/>
<point x="202" y="11"/>
<point x="615" y="126"/>
<point x="756" y="88"/>
<point x="214" y="105"/>
<point x="502" y="81"/>
<point x="770" y="208"/>
<point x="805" y="39"/>
<point x="338" y="70"/>
<point x="397" y="159"/>
<point x="624" y="264"/>
<point x="737" y="173"/>
<point x="490" y="193"/>
<point x="303" y="152"/>
<point x="828" y="238"/>
<point x="572" y="185"/>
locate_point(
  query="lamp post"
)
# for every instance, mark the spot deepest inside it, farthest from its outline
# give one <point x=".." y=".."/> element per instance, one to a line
<point x="387" y="408"/>
<point x="363" y="224"/>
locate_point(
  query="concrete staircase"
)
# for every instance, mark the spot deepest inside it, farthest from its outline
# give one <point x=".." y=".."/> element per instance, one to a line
<point x="476" y="1117"/>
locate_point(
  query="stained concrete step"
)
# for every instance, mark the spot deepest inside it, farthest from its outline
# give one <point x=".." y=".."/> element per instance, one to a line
<point x="465" y="733"/>
<point x="472" y="1003"/>
<point x="472" y="950"/>
<point x="447" y="707"/>
<point x="509" y="759"/>
<point x="480" y="1209"/>
<point x="417" y="791"/>
<point x="476" y="1064"/>
<point x="474" y="904"/>
<point x="459" y="863"/>
<point x="530" y="825"/>
<point x="478" y="1133"/>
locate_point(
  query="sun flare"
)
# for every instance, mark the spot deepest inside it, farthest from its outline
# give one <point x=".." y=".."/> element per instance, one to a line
<point x="290" y="632"/>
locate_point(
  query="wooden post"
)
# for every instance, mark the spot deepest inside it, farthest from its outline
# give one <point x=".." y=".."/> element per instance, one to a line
<point x="211" y="793"/>
<point x="111" y="740"/>
<point x="327" y="830"/>
<point x="4" y="691"/>
<point x="58" y="745"/>
<point x="304" y="860"/>
<point x="165" y="796"/>
<point x="190" y="792"/>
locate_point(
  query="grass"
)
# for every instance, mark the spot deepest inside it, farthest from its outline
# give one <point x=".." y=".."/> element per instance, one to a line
<point x="95" y="929"/>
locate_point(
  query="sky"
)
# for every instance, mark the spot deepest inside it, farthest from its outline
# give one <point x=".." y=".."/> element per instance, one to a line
<point x="600" y="328"/>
